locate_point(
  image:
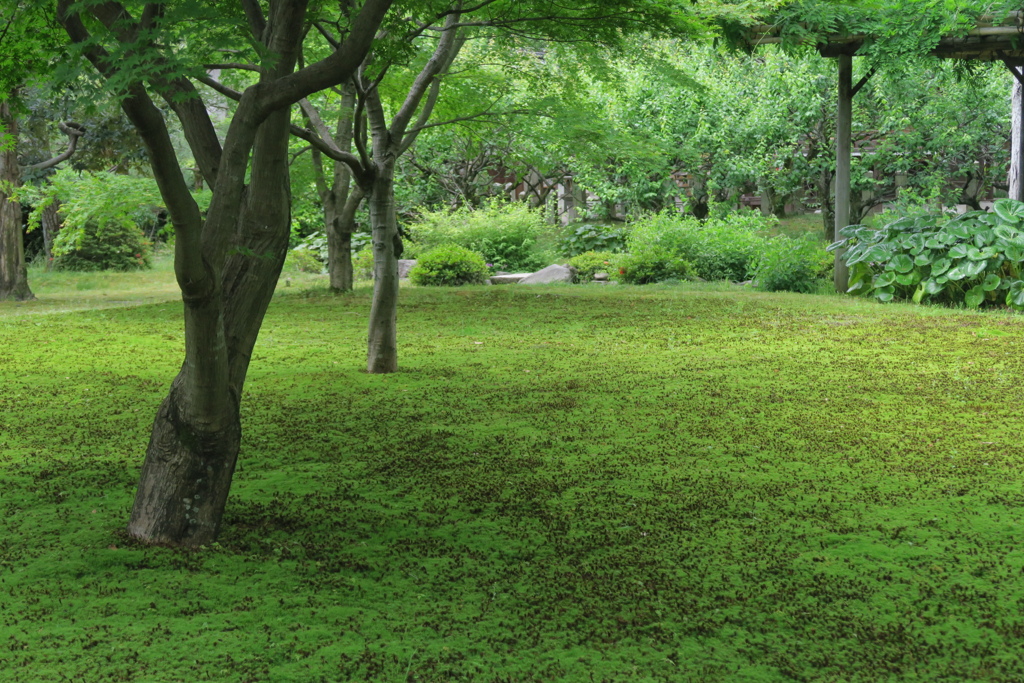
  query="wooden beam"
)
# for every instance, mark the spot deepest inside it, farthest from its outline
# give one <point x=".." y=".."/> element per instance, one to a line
<point x="844" y="119"/>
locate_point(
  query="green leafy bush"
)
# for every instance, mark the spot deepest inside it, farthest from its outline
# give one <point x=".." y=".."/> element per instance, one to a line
<point x="591" y="262"/>
<point x="505" y="234"/>
<point x="316" y="244"/>
<point x="791" y="264"/>
<point x="652" y="264"/>
<point x="106" y="246"/>
<point x="303" y="260"/>
<point x="588" y="237"/>
<point x="449" y="265"/>
<point x="362" y="264"/>
<point x="973" y="259"/>
<point x="718" y="249"/>
<point x="104" y="214"/>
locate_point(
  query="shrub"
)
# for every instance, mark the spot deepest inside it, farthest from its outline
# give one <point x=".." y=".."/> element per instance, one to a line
<point x="594" y="238"/>
<point x="974" y="259"/>
<point x="362" y="264"/>
<point x="718" y="249"/>
<point x="104" y="214"/>
<point x="586" y="265"/>
<point x="303" y="260"/>
<point x="106" y="246"/>
<point x="449" y="265"/>
<point x="790" y="264"/>
<point x="654" y="264"/>
<point x="505" y="234"/>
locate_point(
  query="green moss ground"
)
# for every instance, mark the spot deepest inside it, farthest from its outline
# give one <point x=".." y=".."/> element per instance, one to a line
<point x="562" y="483"/>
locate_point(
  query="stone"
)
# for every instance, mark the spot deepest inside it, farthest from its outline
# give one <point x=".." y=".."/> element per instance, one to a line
<point x="507" y="278"/>
<point x="600" y="277"/>
<point x="404" y="266"/>
<point x="551" y="274"/>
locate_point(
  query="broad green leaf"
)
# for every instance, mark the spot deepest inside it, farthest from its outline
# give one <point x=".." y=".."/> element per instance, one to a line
<point x="984" y="238"/>
<point x="932" y="287"/>
<point x="973" y="268"/>
<point x="960" y="231"/>
<point x="1009" y="210"/>
<point x="974" y="254"/>
<point x="923" y="259"/>
<point x="901" y="263"/>
<point x="884" y="279"/>
<point x="907" y="279"/>
<point x="958" y="251"/>
<point x="974" y="296"/>
<point x="1014" y="253"/>
<point x="941" y="266"/>
<point x="956" y="273"/>
<point x="991" y="282"/>
<point x="942" y="279"/>
<point x="883" y="295"/>
<point x="934" y="243"/>
<point x="1015" y="297"/>
<point x="1006" y="232"/>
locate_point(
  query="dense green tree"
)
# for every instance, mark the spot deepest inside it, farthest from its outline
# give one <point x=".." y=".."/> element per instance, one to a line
<point x="227" y="261"/>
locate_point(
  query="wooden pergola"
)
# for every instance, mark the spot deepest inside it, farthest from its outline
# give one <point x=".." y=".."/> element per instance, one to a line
<point x="987" y="42"/>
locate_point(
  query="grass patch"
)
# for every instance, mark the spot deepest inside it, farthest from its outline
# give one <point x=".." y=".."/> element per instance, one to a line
<point x="564" y="483"/>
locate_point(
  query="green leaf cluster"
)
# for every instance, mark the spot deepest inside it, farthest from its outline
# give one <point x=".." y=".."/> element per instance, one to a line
<point x="973" y="259"/>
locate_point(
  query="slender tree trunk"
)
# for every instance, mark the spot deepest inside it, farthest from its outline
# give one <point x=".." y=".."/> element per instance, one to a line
<point x="383" y="337"/>
<point x="51" y="226"/>
<point x="844" y="116"/>
<point x="13" y="271"/>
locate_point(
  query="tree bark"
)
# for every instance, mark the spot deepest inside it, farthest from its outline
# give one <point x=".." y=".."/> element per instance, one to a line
<point x="13" y="270"/>
<point x="382" y="343"/>
<point x="50" y="223"/>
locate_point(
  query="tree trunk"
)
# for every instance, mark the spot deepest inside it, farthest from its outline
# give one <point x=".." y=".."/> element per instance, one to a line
<point x="13" y="271"/>
<point x="194" y="445"/>
<point x="383" y="337"/>
<point x="339" y="255"/>
<point x="51" y="226"/>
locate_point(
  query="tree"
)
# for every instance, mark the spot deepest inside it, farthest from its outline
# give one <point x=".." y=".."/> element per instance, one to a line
<point x="24" y="50"/>
<point x="228" y="261"/>
<point x="514" y="26"/>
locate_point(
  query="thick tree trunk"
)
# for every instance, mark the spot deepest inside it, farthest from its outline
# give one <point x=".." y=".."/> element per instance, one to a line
<point x="383" y="337"/>
<point x="13" y="271"/>
<point x="194" y="445"/>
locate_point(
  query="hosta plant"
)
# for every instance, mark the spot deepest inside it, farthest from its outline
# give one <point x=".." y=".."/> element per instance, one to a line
<point x="974" y="259"/>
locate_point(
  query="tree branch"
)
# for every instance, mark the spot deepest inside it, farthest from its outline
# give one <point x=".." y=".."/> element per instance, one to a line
<point x="73" y="131"/>
<point x="444" y="54"/>
<point x="235" y="65"/>
<point x="254" y="15"/>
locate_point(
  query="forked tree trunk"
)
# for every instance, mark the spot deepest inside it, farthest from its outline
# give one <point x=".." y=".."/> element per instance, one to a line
<point x="382" y="343"/>
<point x="191" y="457"/>
<point x="13" y="271"/>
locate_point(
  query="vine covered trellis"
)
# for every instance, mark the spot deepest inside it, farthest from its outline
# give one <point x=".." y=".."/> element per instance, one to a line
<point x="896" y="35"/>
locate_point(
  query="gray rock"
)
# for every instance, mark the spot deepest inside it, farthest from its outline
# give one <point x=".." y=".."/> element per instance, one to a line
<point x="600" y="277"/>
<point x="553" y="273"/>
<point x="404" y="266"/>
<point x="507" y="278"/>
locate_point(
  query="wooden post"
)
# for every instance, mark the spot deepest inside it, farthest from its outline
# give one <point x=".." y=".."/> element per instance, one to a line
<point x="1016" y="149"/>
<point x="844" y="117"/>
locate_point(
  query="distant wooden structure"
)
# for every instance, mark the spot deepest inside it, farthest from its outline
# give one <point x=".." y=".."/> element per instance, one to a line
<point x="987" y="42"/>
